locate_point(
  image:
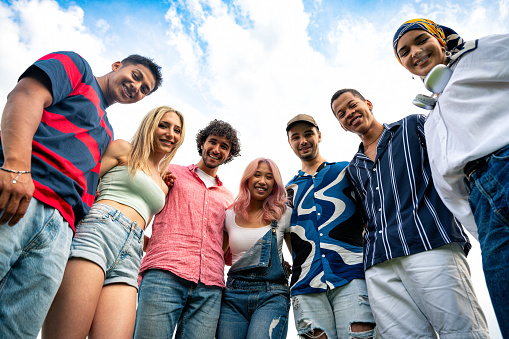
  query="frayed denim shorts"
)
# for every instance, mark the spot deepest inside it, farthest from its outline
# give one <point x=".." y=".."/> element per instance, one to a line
<point x="109" y="239"/>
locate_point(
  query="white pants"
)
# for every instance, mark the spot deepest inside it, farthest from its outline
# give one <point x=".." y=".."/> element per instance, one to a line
<point x="426" y="295"/>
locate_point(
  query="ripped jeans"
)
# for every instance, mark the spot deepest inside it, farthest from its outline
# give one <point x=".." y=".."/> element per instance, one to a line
<point x="334" y="311"/>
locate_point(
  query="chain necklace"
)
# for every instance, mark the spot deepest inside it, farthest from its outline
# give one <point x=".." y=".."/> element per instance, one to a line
<point x="365" y="146"/>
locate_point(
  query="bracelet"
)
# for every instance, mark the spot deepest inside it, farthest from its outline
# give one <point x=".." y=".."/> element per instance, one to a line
<point x="19" y="173"/>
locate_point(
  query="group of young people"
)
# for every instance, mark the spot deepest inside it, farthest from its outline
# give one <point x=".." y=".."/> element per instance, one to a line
<point x="376" y="244"/>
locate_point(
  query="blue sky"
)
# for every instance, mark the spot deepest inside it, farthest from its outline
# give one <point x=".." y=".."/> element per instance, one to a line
<point x="253" y="63"/>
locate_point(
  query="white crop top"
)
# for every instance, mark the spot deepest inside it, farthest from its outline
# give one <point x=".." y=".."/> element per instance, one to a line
<point x="241" y="239"/>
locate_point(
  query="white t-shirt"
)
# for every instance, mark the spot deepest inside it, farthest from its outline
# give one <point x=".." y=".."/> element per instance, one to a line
<point x="469" y="121"/>
<point x="208" y="180"/>
<point x="241" y="239"/>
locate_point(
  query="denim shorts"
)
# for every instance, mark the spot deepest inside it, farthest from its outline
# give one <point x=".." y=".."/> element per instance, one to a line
<point x="109" y="239"/>
<point x="334" y="311"/>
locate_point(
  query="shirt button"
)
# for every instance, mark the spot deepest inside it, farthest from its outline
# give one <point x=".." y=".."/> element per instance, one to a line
<point x="321" y="234"/>
<point x="380" y="210"/>
<point x="374" y="169"/>
<point x="323" y="255"/>
<point x="379" y="231"/>
<point x="317" y="213"/>
<point x="376" y="188"/>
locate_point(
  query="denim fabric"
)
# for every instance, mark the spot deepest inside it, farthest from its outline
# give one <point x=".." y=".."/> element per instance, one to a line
<point x="112" y="241"/>
<point x="489" y="199"/>
<point x="334" y="311"/>
<point x="256" y="301"/>
<point x="254" y="310"/>
<point x="33" y="255"/>
<point x="166" y="301"/>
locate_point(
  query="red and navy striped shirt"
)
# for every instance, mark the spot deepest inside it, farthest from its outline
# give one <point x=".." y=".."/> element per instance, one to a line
<point x="402" y="209"/>
<point x="73" y="134"/>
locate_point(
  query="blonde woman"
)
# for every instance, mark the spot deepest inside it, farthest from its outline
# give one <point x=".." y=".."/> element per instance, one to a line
<point x="98" y="293"/>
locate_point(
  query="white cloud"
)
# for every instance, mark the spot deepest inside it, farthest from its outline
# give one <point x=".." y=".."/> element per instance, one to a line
<point x="251" y="63"/>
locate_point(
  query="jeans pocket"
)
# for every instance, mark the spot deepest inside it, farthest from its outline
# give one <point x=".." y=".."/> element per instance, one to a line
<point x="48" y="232"/>
<point x="502" y="154"/>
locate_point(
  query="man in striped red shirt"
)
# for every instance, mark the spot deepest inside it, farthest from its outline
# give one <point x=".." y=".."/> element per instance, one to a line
<point x="54" y="131"/>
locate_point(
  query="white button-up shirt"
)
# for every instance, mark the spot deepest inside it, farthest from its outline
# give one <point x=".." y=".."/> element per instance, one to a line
<point x="470" y="120"/>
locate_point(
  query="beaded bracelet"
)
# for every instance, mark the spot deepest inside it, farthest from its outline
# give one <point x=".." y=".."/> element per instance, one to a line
<point x="19" y="173"/>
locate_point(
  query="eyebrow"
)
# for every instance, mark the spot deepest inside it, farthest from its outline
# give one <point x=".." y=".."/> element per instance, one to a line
<point x="347" y="104"/>
<point x="140" y="74"/>
<point x="415" y="39"/>
<point x="306" y="131"/>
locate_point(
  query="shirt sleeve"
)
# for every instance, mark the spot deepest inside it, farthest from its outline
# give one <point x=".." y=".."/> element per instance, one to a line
<point x="65" y="70"/>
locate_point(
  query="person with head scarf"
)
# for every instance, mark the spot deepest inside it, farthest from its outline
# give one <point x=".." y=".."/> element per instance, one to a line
<point x="466" y="136"/>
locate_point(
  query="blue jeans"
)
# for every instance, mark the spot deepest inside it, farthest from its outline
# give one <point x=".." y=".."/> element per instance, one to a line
<point x="166" y="301"/>
<point x="33" y="255"/>
<point x="489" y="199"/>
<point x="334" y="311"/>
<point x="254" y="310"/>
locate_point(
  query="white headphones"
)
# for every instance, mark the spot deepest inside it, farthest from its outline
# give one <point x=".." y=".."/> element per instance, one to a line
<point x="435" y="82"/>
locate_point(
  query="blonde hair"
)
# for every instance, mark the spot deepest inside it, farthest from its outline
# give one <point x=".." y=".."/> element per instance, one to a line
<point x="143" y="141"/>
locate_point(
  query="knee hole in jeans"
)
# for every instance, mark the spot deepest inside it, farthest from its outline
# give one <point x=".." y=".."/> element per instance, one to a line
<point x="312" y="333"/>
<point x="360" y="330"/>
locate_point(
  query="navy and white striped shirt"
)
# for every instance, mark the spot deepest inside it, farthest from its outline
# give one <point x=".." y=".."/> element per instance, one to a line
<point x="401" y="207"/>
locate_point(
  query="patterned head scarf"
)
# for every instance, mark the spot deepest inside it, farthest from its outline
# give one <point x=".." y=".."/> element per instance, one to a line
<point x="445" y="36"/>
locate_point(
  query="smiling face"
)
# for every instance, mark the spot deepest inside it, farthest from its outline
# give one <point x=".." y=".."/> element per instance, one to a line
<point x="168" y="133"/>
<point x="419" y="52"/>
<point x="353" y="113"/>
<point x="260" y="185"/>
<point x="304" y="138"/>
<point x="215" y="151"/>
<point x="129" y="84"/>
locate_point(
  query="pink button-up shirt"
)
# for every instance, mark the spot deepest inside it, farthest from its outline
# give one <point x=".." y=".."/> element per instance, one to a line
<point x="187" y="235"/>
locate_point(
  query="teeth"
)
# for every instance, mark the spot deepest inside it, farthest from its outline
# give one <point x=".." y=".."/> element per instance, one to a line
<point x="422" y="61"/>
<point x="354" y="120"/>
<point x="127" y="92"/>
<point x="213" y="157"/>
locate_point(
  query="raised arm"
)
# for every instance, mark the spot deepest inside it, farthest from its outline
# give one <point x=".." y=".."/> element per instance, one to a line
<point x="21" y="118"/>
<point x="115" y="155"/>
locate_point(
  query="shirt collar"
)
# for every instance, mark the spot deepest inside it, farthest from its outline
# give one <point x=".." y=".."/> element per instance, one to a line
<point x="192" y="169"/>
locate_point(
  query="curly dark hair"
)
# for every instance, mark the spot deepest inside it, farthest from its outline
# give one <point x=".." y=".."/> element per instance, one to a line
<point x="221" y="129"/>
<point x="136" y="59"/>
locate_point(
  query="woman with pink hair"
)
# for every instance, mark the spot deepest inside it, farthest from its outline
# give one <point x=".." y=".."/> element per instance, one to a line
<point x="257" y="297"/>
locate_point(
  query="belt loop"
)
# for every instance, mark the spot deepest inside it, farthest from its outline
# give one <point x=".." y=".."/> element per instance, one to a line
<point x="115" y="215"/>
<point x="267" y="285"/>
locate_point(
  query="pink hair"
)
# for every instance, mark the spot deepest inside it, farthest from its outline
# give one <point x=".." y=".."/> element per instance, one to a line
<point x="274" y="205"/>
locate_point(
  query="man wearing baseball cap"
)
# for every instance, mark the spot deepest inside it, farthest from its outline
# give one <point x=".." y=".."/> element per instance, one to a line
<point x="328" y="289"/>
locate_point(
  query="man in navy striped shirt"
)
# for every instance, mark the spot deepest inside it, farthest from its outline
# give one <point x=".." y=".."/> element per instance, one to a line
<point x="415" y="251"/>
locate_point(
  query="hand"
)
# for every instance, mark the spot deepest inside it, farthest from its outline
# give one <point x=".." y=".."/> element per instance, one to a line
<point x="169" y="179"/>
<point x="288" y="267"/>
<point x="14" y="198"/>
<point x="146" y="240"/>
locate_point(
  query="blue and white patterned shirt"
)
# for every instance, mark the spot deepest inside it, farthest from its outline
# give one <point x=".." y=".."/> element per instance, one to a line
<point x="326" y="230"/>
<point x="402" y="209"/>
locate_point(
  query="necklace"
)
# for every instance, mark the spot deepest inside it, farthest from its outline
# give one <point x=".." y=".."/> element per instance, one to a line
<point x="374" y="139"/>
